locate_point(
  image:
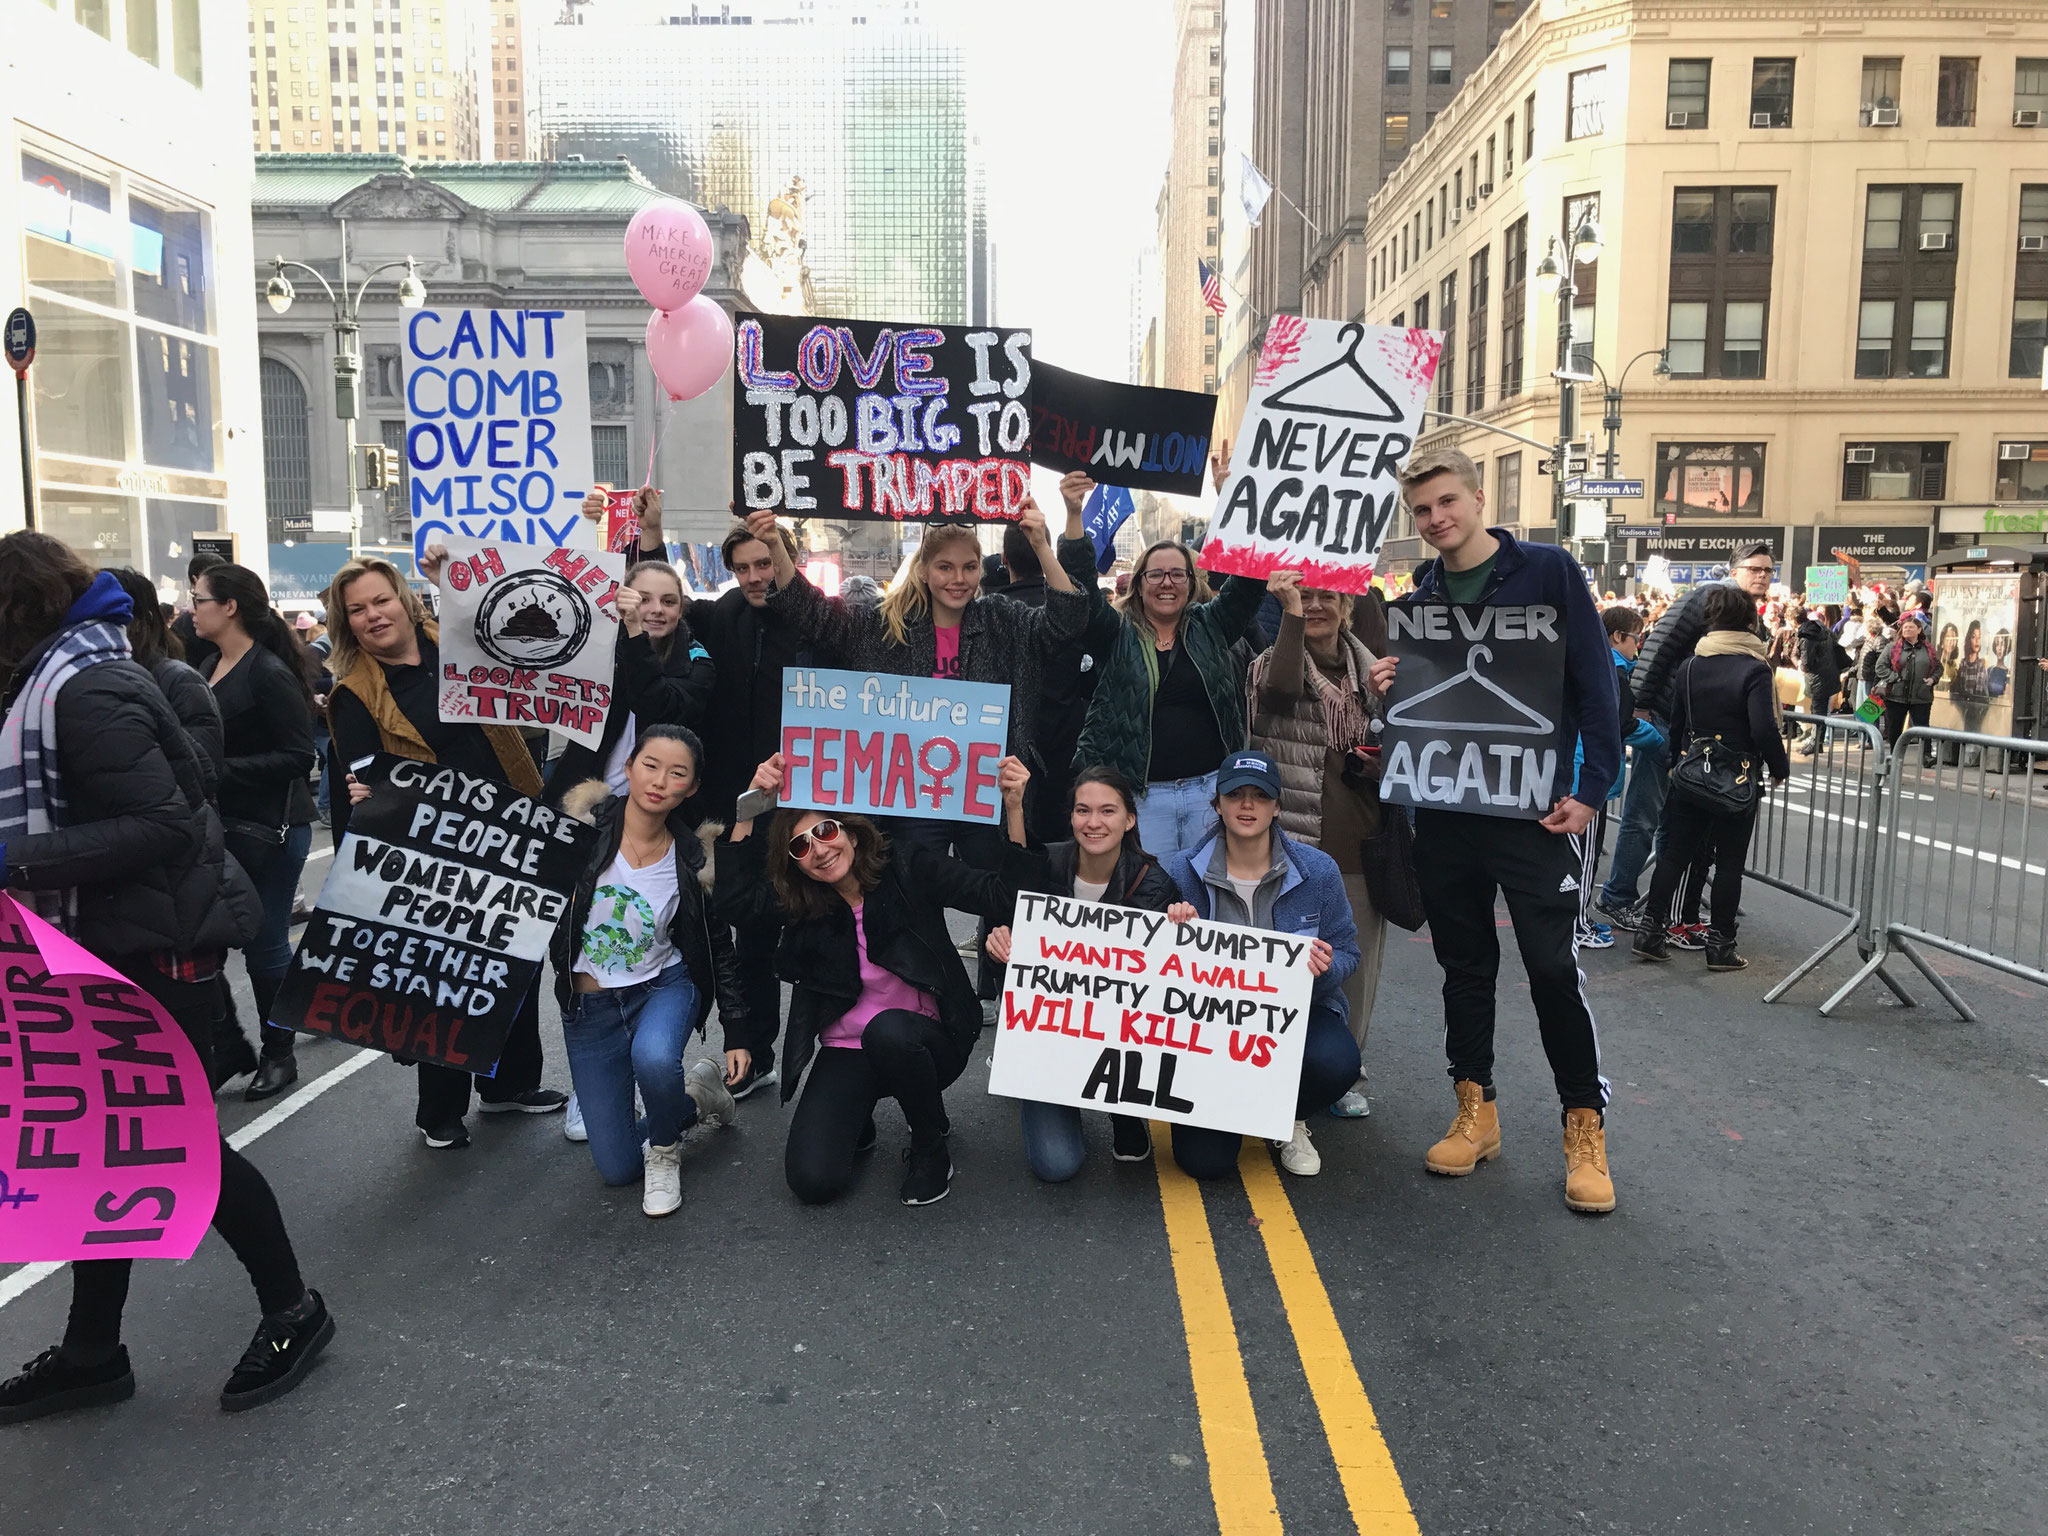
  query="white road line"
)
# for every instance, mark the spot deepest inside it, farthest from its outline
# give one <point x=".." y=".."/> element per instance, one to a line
<point x="1925" y="842"/>
<point x="31" y="1275"/>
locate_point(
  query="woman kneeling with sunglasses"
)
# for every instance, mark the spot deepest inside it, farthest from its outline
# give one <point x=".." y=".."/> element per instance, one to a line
<point x="880" y="995"/>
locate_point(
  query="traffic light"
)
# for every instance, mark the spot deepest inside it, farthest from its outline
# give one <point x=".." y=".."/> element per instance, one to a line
<point x="380" y="468"/>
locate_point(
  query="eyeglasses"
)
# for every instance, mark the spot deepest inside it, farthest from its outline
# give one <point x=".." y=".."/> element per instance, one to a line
<point x="1768" y="570"/>
<point x="1167" y="578"/>
<point x="826" y="831"/>
<point x="198" y="598"/>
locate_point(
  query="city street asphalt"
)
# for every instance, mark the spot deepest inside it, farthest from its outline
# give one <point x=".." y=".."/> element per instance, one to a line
<point x="1819" y="1308"/>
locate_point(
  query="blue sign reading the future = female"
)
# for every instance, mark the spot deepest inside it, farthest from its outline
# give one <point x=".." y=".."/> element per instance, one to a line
<point x="884" y="745"/>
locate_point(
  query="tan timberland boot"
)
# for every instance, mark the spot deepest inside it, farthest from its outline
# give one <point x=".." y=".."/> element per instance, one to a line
<point x="1473" y="1137"/>
<point x="1586" y="1184"/>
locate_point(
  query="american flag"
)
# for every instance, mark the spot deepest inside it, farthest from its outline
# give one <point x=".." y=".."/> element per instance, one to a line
<point x="1212" y="286"/>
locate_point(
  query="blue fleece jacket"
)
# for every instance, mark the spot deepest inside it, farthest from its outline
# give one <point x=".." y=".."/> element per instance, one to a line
<point x="1544" y="573"/>
<point x="1310" y="901"/>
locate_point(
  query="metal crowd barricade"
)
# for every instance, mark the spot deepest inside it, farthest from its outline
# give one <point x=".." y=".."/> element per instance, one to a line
<point x="1816" y="834"/>
<point x="1963" y="865"/>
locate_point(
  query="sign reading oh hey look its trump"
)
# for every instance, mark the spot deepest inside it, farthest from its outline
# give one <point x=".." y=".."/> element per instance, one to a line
<point x="1314" y="481"/>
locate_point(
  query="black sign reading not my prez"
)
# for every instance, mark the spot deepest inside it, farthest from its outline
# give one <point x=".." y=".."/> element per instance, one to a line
<point x="1121" y="434"/>
<point x="1473" y="716"/>
<point x="434" y="921"/>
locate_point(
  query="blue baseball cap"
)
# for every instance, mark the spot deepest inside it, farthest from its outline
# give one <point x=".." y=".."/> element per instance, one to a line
<point x="1249" y="770"/>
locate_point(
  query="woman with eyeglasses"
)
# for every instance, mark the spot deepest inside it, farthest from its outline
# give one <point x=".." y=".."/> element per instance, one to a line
<point x="1170" y="703"/>
<point x="880" y="997"/>
<point x="262" y="680"/>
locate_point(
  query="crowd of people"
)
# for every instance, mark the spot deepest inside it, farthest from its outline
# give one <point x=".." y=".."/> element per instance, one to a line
<point x="1195" y="752"/>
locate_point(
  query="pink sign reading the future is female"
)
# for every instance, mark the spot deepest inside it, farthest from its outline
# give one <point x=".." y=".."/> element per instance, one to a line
<point x="108" y="1144"/>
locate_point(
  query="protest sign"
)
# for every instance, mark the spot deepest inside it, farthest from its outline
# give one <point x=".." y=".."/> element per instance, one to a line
<point x="432" y="923"/>
<point x="1121" y="434"/>
<point x="108" y="1145"/>
<point x="856" y="419"/>
<point x="621" y="525"/>
<point x="1335" y="410"/>
<point x="1827" y="584"/>
<point x="883" y="745"/>
<point x="497" y="436"/>
<point x="1472" y="716"/>
<point x="529" y="635"/>
<point x="1194" y="1023"/>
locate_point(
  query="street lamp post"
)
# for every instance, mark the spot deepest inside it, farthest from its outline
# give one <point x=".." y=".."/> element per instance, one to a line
<point x="348" y="356"/>
<point x="1561" y="279"/>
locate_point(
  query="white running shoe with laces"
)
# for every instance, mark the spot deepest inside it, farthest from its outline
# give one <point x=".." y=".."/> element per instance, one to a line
<point x="662" y="1180"/>
<point x="572" y="1122"/>
<point x="1298" y="1154"/>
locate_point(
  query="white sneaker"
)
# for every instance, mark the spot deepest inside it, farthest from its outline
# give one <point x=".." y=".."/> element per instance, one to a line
<point x="662" y="1187"/>
<point x="1298" y="1155"/>
<point x="705" y="1083"/>
<point x="1353" y="1106"/>
<point x="572" y="1122"/>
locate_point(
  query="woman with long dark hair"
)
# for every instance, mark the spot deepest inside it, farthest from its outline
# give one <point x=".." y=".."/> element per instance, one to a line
<point x="126" y="860"/>
<point x="1103" y="861"/>
<point x="1906" y="672"/>
<point x="263" y="682"/>
<point x="880" y="997"/>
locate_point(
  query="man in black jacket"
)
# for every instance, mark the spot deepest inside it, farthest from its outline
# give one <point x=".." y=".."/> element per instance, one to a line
<point x="1674" y="639"/>
<point x="749" y="645"/>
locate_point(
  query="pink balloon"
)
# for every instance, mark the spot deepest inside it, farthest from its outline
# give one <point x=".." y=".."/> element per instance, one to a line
<point x="668" y="252"/>
<point x="689" y="348"/>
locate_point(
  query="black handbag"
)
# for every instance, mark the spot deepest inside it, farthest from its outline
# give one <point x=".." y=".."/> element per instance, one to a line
<point x="1387" y="860"/>
<point x="1711" y="775"/>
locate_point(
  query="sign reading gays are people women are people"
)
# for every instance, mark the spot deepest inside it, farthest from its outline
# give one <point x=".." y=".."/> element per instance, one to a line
<point x="1315" y="479"/>
<point x="529" y="635"/>
<point x="1195" y="1023"/>
<point x="857" y="419"/>
<point x="884" y="745"/>
<point x="497" y="436"/>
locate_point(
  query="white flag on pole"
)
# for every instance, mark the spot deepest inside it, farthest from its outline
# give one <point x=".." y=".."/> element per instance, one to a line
<point x="1254" y="190"/>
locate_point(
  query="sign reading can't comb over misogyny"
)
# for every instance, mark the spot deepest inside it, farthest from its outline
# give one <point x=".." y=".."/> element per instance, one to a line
<point x="857" y="419"/>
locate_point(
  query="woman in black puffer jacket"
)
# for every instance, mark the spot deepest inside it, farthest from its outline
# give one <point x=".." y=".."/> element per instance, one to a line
<point x="1906" y="670"/>
<point x="131" y="867"/>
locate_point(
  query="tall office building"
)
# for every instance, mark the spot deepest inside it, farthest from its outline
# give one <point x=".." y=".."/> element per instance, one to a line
<point x="509" y="79"/>
<point x="837" y="127"/>
<point x="371" y="76"/>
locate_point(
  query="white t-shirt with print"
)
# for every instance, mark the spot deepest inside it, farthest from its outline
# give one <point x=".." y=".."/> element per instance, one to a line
<point x="625" y="938"/>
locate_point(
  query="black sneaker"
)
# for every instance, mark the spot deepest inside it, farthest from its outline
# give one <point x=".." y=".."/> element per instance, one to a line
<point x="278" y="1358"/>
<point x="51" y="1384"/>
<point x="1651" y="944"/>
<point x="1627" y="918"/>
<point x="536" y="1101"/>
<point x="867" y="1139"/>
<point x="1721" y="954"/>
<point x="446" y="1135"/>
<point x="753" y="1080"/>
<point x="1130" y="1139"/>
<point x="927" y="1175"/>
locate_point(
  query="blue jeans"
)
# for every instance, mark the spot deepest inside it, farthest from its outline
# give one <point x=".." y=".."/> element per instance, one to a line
<point x="1329" y="1066"/>
<point x="622" y="1036"/>
<point x="275" y="873"/>
<point x="1642" y="812"/>
<point x="1176" y="813"/>
<point x="1053" y="1145"/>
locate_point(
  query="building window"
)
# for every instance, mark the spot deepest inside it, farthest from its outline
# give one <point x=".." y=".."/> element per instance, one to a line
<point x="287" y="463"/>
<point x="1477" y="321"/>
<point x="1586" y="116"/>
<point x="1874" y="321"/>
<point x="2030" y="285"/>
<point x="1720" y="281"/>
<point x="2021" y="472"/>
<point x="1447" y="322"/>
<point x="1529" y="127"/>
<point x="1955" y="94"/>
<point x="1514" y="291"/>
<point x="1400" y="9"/>
<point x="1710" y="480"/>
<point x="1685" y="93"/>
<point x="2030" y="91"/>
<point x="1440" y="10"/>
<point x="1394" y="134"/>
<point x="1909" y="276"/>
<point x="1439" y="66"/>
<point x="608" y="457"/>
<point x="1895" y="472"/>
<point x="1880" y="94"/>
<point x="1507" y="488"/>
<point x="1927" y="354"/>
<point x="1398" y="65"/>
<point x="1507" y="139"/>
<point x="1770" y="93"/>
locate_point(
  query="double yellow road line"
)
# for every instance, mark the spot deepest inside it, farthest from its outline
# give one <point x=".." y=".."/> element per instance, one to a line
<point x="1239" y="1479"/>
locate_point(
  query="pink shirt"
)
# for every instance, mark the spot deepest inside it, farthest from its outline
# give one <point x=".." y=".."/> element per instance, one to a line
<point x="879" y="990"/>
<point x="948" y="665"/>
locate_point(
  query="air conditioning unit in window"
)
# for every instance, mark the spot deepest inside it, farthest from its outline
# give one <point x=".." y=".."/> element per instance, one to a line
<point x="2027" y="117"/>
<point x="1759" y="119"/>
<point x="1457" y="216"/>
<point x="2015" y="450"/>
<point x="1677" y="119"/>
<point x="1884" y="117"/>
<point x="1471" y="202"/>
<point x="2033" y="243"/>
<point x="1486" y="189"/>
<point x="1934" y="242"/>
<point x="1860" y="456"/>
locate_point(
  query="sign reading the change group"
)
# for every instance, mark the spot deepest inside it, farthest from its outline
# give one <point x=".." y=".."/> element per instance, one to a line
<point x="529" y="636"/>
<point x="1121" y="434"/>
<point x="497" y="437"/>
<point x="1472" y="717"/>
<point x="1314" y="483"/>
<point x="1195" y="1023"/>
<point x="108" y="1145"/>
<point x="433" y="922"/>
<point x="856" y="419"/>
<point x="884" y="745"/>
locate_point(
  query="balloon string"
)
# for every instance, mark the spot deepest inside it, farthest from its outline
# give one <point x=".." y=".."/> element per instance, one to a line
<point x="653" y="438"/>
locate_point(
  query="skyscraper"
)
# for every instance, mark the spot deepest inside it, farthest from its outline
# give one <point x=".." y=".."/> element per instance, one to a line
<point x="509" y="78"/>
<point x="862" y="101"/>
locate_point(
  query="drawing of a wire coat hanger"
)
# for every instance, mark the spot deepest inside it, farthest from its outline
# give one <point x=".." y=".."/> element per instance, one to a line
<point x="1297" y="396"/>
<point x="1536" y="725"/>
